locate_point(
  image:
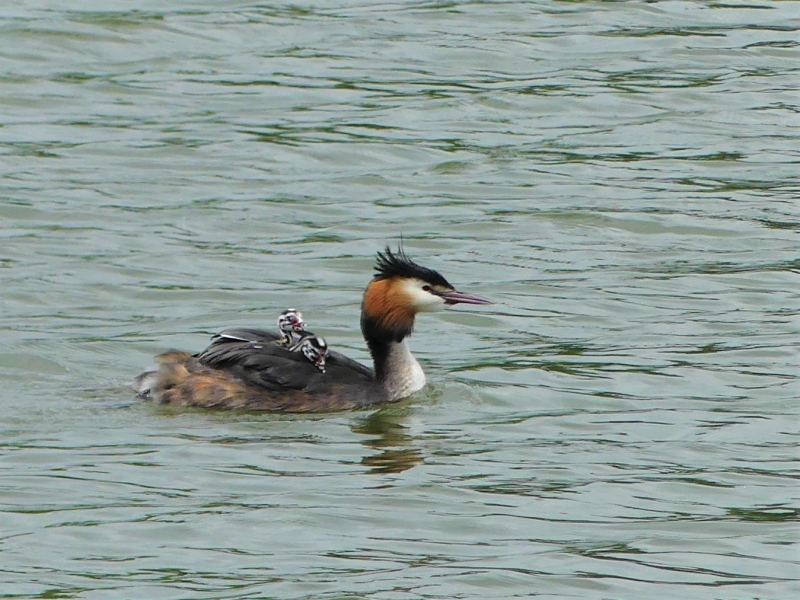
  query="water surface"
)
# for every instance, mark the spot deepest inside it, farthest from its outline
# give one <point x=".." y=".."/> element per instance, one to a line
<point x="620" y="177"/>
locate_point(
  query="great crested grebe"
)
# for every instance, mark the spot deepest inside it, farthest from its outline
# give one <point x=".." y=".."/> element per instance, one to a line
<point x="290" y="322"/>
<point x="314" y="348"/>
<point x="247" y="369"/>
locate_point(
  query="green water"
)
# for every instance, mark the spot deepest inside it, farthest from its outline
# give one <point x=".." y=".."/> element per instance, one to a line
<point x="621" y="177"/>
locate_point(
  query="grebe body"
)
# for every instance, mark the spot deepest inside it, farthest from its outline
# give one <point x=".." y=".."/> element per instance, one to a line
<point x="253" y="369"/>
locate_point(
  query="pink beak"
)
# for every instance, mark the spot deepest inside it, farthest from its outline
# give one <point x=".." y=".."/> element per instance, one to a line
<point x="456" y="297"/>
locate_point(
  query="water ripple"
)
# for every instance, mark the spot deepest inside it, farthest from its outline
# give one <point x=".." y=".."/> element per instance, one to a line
<point x="619" y="177"/>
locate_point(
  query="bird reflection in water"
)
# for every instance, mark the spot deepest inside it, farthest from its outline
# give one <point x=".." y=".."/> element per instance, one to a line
<point x="390" y="438"/>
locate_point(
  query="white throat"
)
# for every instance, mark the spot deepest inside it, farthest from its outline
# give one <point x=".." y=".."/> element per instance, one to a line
<point x="403" y="374"/>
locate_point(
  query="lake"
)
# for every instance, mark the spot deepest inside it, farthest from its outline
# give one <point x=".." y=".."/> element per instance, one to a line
<point x="620" y="177"/>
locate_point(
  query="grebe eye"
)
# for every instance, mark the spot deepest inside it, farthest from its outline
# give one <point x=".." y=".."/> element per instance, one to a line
<point x="426" y="288"/>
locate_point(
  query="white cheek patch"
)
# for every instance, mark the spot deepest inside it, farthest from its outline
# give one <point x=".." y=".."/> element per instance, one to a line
<point x="421" y="300"/>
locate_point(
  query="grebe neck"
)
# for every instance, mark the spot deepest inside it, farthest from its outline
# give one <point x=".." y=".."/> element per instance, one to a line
<point x="395" y="366"/>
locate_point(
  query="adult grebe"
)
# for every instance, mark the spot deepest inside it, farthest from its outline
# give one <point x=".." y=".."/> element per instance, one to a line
<point x="247" y="369"/>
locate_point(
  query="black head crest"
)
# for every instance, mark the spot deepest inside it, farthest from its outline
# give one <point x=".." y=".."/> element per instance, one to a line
<point x="397" y="264"/>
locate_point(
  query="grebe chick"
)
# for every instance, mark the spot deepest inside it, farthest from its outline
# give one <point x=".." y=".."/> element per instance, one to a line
<point x="314" y="348"/>
<point x="246" y="369"/>
<point x="290" y="322"/>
